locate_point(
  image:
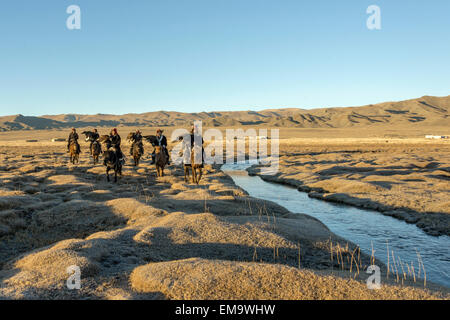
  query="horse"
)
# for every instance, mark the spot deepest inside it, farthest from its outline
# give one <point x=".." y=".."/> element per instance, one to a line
<point x="96" y="148"/>
<point x="196" y="167"/>
<point x="74" y="152"/>
<point x="136" y="150"/>
<point x="160" y="161"/>
<point x="195" y="164"/>
<point x="160" y="155"/>
<point x="110" y="159"/>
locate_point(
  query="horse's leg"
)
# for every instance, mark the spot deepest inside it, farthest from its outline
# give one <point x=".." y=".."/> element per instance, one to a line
<point x="107" y="174"/>
<point x="199" y="177"/>
<point x="194" y="175"/>
<point x="115" y="175"/>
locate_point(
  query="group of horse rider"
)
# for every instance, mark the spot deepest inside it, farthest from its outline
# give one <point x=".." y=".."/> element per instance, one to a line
<point x="115" y="141"/>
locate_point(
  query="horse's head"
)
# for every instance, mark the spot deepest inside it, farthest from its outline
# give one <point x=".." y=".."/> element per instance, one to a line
<point x="157" y="149"/>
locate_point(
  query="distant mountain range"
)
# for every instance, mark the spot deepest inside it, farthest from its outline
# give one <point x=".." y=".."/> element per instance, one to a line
<point x="427" y="110"/>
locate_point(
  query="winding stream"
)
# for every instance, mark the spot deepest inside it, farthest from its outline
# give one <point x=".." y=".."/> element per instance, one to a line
<point x="363" y="227"/>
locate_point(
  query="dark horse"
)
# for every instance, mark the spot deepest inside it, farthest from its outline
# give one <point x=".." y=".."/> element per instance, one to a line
<point x="96" y="148"/>
<point x="111" y="159"/>
<point x="137" y="149"/>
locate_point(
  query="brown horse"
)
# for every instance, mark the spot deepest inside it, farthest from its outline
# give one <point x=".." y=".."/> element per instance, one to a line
<point x="160" y="161"/>
<point x="96" y="148"/>
<point x="196" y="167"/>
<point x="136" y="150"/>
<point x="74" y="152"/>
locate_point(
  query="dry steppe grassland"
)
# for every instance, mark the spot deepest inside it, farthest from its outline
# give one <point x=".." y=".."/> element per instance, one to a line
<point x="162" y="238"/>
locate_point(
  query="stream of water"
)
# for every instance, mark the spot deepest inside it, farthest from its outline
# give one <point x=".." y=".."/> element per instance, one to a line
<point x="363" y="227"/>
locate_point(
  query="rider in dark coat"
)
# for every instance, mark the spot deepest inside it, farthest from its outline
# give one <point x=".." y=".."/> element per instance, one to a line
<point x="137" y="138"/>
<point x="94" y="137"/>
<point x="115" y="143"/>
<point x="73" y="137"/>
<point x="162" y="142"/>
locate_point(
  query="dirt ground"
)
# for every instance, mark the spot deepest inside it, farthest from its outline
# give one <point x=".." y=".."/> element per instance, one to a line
<point x="162" y="238"/>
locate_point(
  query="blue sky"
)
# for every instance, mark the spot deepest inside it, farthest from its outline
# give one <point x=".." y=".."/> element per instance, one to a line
<point x="204" y="55"/>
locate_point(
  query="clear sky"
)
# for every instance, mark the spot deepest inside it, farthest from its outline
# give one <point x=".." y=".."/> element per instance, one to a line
<point x="204" y="55"/>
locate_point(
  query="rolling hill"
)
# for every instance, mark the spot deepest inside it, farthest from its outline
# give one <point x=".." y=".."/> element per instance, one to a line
<point x="427" y="110"/>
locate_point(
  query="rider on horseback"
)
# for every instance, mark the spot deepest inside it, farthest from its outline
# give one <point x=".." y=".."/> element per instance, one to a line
<point x="137" y="139"/>
<point x="94" y="137"/>
<point x="115" y="143"/>
<point x="73" y="138"/>
<point x="162" y="142"/>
